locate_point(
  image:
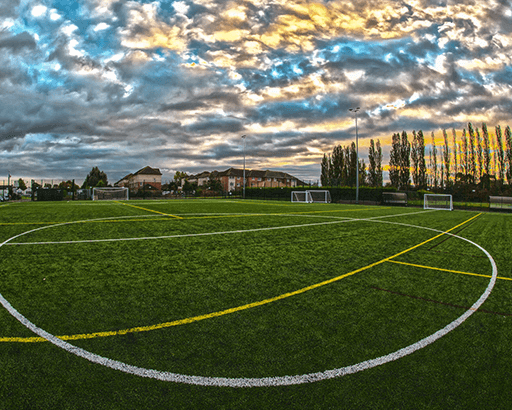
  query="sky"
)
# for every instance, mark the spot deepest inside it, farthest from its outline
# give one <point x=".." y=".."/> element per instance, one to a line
<point x="176" y="84"/>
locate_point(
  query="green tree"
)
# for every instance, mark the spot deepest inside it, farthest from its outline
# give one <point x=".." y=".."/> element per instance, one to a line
<point x="472" y="153"/>
<point x="324" y="172"/>
<point x="446" y="160"/>
<point x="508" y="141"/>
<point x="465" y="161"/>
<point x="94" y="177"/>
<point x="422" y="165"/>
<point x="352" y="164"/>
<point x="433" y="164"/>
<point x="414" y="159"/>
<point x="21" y="184"/>
<point x="455" y="162"/>
<point x="375" y="164"/>
<point x="214" y="183"/>
<point x="338" y="166"/>
<point x="394" y="161"/>
<point x="405" y="161"/>
<point x="501" y="154"/>
<point x="179" y="176"/>
<point x="486" y="150"/>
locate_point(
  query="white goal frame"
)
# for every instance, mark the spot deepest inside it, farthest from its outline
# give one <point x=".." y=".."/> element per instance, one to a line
<point x="311" y="196"/>
<point x="438" y="201"/>
<point x="500" y="202"/>
<point x="118" y="193"/>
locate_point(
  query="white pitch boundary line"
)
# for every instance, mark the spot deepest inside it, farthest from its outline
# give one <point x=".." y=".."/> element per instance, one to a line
<point x="344" y="220"/>
<point x="264" y="381"/>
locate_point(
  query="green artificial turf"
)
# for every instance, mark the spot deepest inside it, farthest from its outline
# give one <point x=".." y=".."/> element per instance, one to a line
<point x="80" y="268"/>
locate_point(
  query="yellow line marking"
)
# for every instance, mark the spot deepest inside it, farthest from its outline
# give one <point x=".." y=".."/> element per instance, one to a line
<point x="448" y="270"/>
<point x="227" y="311"/>
<point x="148" y="210"/>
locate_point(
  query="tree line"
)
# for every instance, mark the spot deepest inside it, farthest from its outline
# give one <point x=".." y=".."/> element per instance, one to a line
<point x="340" y="167"/>
<point x="475" y="160"/>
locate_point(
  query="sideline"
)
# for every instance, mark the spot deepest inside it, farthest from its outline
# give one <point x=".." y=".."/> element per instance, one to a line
<point x="231" y="310"/>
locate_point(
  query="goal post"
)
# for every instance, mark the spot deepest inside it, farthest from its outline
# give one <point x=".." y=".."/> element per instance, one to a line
<point x="311" y="196"/>
<point x="438" y="201"/>
<point x="110" y="194"/>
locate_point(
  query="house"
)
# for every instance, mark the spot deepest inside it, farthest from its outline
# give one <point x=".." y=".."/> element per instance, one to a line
<point x="145" y="178"/>
<point x="232" y="179"/>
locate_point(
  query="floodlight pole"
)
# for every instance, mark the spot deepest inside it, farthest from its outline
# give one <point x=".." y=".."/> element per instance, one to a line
<point x="356" y="110"/>
<point x="243" y="139"/>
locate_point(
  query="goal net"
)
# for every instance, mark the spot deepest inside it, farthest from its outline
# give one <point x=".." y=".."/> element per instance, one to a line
<point x="437" y="201"/>
<point x="308" y="197"/>
<point x="110" y="194"/>
<point x="319" y="196"/>
<point x="500" y="202"/>
<point x="300" y="196"/>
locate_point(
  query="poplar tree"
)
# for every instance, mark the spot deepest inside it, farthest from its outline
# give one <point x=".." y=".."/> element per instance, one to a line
<point x="338" y="163"/>
<point x="378" y="160"/>
<point x="433" y="163"/>
<point x="324" y="173"/>
<point x="508" y="140"/>
<point x="486" y="150"/>
<point x="414" y="159"/>
<point x="352" y="161"/>
<point x="372" y="166"/>
<point x="405" y="161"/>
<point x="422" y="166"/>
<point x="501" y="154"/>
<point x="455" y="163"/>
<point x="446" y="160"/>
<point x="472" y="153"/>
<point x="480" y="154"/>
<point x="394" y="161"/>
<point x="465" y="156"/>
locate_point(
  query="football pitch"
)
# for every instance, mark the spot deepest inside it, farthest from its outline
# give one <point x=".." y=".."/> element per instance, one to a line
<point x="253" y="304"/>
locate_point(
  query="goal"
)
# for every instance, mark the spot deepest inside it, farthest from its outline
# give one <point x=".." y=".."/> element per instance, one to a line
<point x="437" y="201"/>
<point x="110" y="194"/>
<point x="319" y="196"/>
<point x="315" y="196"/>
<point x="300" y="196"/>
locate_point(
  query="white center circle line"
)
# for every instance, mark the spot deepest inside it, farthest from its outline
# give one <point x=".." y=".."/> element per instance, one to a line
<point x="263" y="381"/>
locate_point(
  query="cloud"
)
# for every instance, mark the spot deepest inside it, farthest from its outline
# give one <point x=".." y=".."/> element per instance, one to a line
<point x="174" y="85"/>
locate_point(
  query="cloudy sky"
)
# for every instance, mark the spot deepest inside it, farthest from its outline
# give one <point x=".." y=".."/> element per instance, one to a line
<point x="175" y="84"/>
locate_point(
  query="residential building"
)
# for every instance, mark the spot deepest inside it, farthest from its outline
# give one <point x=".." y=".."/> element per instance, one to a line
<point x="232" y="179"/>
<point x="145" y="178"/>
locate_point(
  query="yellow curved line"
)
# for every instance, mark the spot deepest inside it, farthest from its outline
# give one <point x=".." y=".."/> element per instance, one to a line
<point x="227" y="311"/>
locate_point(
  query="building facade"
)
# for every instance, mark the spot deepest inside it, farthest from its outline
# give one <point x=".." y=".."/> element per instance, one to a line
<point x="145" y="178"/>
<point x="232" y="179"/>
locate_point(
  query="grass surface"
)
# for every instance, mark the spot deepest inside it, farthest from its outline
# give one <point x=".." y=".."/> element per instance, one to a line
<point x="82" y="268"/>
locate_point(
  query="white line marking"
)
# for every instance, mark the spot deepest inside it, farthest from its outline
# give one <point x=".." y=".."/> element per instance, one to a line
<point x="340" y="219"/>
<point x="263" y="381"/>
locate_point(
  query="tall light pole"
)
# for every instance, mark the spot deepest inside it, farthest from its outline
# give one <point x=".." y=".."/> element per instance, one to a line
<point x="355" y="111"/>
<point x="243" y="139"/>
